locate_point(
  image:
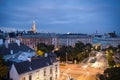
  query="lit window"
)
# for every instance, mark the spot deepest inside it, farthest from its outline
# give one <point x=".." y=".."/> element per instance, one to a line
<point x="37" y="75"/>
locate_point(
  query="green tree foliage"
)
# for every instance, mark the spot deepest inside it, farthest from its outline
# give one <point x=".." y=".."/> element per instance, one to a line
<point x="43" y="48"/>
<point x="79" y="47"/>
<point x="88" y="47"/>
<point x="112" y="73"/>
<point x="78" y="52"/>
<point x="70" y="54"/>
<point x="81" y="51"/>
<point x="110" y="52"/>
<point x="62" y="53"/>
<point x="3" y="69"/>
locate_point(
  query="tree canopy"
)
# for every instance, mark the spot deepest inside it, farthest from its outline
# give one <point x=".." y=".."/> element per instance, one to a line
<point x="43" y="48"/>
<point x="3" y="68"/>
<point x="78" y="52"/>
<point x="112" y="73"/>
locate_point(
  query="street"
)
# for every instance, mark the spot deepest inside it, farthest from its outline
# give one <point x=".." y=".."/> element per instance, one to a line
<point x="78" y="72"/>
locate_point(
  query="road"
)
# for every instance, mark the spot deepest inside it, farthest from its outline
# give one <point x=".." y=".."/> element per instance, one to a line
<point x="78" y="72"/>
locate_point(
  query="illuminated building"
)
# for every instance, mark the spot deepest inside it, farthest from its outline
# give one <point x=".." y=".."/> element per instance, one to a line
<point x="34" y="27"/>
<point x="33" y="30"/>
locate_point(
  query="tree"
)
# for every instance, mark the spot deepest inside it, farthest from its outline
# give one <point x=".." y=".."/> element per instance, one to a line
<point x="112" y="73"/>
<point x="79" y="47"/>
<point x="3" y="69"/>
<point x="70" y="55"/>
<point x="88" y="47"/>
<point x="110" y="52"/>
<point x="50" y="48"/>
<point x="43" y="48"/>
<point x="62" y="53"/>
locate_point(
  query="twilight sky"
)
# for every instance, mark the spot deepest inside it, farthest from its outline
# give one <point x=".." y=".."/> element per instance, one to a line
<point x="61" y="16"/>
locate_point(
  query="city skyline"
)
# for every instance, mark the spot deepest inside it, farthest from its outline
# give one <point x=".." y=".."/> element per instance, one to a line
<point x="61" y="16"/>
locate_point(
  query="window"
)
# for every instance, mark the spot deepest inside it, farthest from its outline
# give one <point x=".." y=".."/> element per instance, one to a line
<point x="44" y="72"/>
<point x="50" y="78"/>
<point x="50" y="70"/>
<point x="30" y="77"/>
<point x="37" y="75"/>
<point x="23" y="78"/>
<point x="56" y="76"/>
<point x="55" y="68"/>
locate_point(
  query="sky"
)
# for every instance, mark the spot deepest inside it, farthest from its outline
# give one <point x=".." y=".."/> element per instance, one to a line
<point x="61" y="16"/>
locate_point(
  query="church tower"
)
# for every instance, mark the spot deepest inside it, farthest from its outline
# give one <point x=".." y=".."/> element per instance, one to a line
<point x="34" y="27"/>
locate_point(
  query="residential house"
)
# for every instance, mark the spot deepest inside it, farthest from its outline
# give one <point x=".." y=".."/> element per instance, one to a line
<point x="41" y="68"/>
<point x="16" y="51"/>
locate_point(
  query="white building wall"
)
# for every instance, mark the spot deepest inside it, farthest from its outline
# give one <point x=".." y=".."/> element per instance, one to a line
<point x="54" y="42"/>
<point x="72" y="41"/>
<point x="56" y="65"/>
<point x="13" y="73"/>
<point x="37" y="74"/>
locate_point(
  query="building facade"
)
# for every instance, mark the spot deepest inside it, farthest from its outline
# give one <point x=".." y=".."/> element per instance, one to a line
<point x="71" y="39"/>
<point x="58" y="40"/>
<point x="44" y="68"/>
<point x="32" y="40"/>
<point x="106" y="42"/>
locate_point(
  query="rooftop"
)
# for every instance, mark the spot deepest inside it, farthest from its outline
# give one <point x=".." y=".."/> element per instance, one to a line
<point x="34" y="64"/>
<point x="15" y="48"/>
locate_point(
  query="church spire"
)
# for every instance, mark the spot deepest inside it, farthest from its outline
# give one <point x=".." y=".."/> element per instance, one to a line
<point x="34" y="27"/>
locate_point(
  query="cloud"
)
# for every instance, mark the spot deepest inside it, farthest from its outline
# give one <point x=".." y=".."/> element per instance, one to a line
<point x="61" y="22"/>
<point x="8" y="29"/>
<point x="54" y="13"/>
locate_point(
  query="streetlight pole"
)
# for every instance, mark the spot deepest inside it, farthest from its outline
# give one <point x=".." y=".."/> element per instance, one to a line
<point x="66" y="57"/>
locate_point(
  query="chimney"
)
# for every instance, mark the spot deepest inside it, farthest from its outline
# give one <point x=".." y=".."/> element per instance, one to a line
<point x="46" y="54"/>
<point x="29" y="59"/>
<point x="18" y="42"/>
<point x="11" y="51"/>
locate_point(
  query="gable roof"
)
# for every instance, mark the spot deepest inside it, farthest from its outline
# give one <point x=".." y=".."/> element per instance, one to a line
<point x="35" y="63"/>
<point x="14" y="46"/>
